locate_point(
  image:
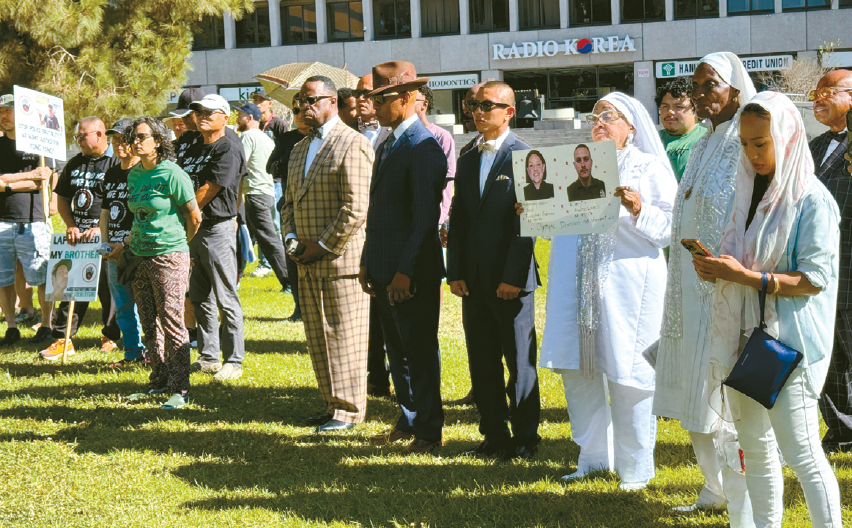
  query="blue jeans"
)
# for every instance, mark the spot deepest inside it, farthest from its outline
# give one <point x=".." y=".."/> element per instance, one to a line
<point x="126" y="315"/>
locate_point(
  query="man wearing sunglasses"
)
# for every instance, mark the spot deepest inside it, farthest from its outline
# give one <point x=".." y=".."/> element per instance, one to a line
<point x="493" y="269"/>
<point x="832" y="99"/>
<point x="402" y="263"/>
<point x="367" y="122"/>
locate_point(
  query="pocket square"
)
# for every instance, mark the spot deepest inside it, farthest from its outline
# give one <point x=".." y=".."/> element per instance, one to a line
<point x="502" y="177"/>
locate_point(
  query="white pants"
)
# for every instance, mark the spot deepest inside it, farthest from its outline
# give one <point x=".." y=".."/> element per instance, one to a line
<point x="721" y="482"/>
<point x="616" y="435"/>
<point x="792" y="425"/>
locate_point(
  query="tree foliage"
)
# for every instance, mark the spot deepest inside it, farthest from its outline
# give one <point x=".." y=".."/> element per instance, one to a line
<point x="109" y="58"/>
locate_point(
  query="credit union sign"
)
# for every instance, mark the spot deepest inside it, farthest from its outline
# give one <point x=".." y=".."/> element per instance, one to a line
<point x="551" y="48"/>
<point x="668" y="69"/>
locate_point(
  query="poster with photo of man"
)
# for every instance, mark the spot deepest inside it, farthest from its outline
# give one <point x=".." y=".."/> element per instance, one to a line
<point x="73" y="271"/>
<point x="567" y="190"/>
<point x="39" y="122"/>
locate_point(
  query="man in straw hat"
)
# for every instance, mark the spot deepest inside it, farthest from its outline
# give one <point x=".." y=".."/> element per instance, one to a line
<point x="402" y="264"/>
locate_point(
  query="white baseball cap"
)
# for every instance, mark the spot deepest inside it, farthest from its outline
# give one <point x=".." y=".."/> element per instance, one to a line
<point x="212" y="102"/>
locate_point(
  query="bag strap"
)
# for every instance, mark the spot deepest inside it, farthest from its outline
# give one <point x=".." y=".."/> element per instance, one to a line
<point x="761" y="295"/>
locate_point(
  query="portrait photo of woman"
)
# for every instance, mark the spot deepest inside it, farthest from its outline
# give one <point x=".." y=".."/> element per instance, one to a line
<point x="537" y="187"/>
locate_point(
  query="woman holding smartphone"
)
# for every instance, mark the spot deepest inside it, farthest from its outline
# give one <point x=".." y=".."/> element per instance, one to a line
<point x="784" y="225"/>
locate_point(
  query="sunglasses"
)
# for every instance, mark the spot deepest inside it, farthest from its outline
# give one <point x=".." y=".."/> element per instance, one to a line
<point x="206" y="112"/>
<point x="296" y="109"/>
<point x="360" y="94"/>
<point x="311" y="101"/>
<point x="81" y="137"/>
<point x="825" y="92"/>
<point x="380" y="98"/>
<point x="140" y="138"/>
<point x="606" y="117"/>
<point x="485" y="106"/>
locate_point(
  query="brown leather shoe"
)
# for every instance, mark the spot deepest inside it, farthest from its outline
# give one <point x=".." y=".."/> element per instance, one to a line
<point x="391" y="437"/>
<point x="421" y="447"/>
<point x="467" y="400"/>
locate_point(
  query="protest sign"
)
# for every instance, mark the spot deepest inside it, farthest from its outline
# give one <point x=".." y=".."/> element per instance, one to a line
<point x="73" y="271"/>
<point x="39" y="123"/>
<point x="567" y="190"/>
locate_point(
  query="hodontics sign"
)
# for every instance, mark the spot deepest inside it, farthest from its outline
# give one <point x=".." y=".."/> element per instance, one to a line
<point x="551" y="48"/>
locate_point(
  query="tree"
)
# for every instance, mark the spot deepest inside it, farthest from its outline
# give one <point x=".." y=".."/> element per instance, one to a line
<point x="108" y="58"/>
<point x="802" y="76"/>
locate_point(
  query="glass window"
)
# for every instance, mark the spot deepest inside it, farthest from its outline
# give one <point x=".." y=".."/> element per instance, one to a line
<point x="696" y="9"/>
<point x="210" y="33"/>
<point x="643" y="10"/>
<point x="440" y="17"/>
<point x="253" y="29"/>
<point x="747" y="7"/>
<point x="392" y="18"/>
<point x="803" y="5"/>
<point x="845" y="3"/>
<point x="298" y="22"/>
<point x="535" y="14"/>
<point x="589" y="12"/>
<point x="489" y="15"/>
<point x="345" y="21"/>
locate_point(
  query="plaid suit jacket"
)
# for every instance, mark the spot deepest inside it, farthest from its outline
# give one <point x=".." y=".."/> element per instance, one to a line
<point x="835" y="177"/>
<point x="329" y="204"/>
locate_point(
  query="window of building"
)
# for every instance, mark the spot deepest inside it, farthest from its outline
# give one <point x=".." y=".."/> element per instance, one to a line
<point x="845" y="3"/>
<point x="748" y="7"/>
<point x="392" y="18"/>
<point x="210" y="34"/>
<point x="440" y="17"/>
<point x="577" y="88"/>
<point x="298" y="21"/>
<point x="253" y="30"/>
<point x="489" y="15"/>
<point x="804" y="5"/>
<point x="643" y="10"/>
<point x="696" y="9"/>
<point x="345" y="20"/>
<point x="536" y="14"/>
<point x="589" y="12"/>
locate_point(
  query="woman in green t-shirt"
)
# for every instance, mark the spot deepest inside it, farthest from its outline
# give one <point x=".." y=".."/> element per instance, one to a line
<point x="166" y="217"/>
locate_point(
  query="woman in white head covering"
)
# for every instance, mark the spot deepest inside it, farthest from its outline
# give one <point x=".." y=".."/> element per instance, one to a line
<point x="721" y="87"/>
<point x="604" y="304"/>
<point x="784" y="229"/>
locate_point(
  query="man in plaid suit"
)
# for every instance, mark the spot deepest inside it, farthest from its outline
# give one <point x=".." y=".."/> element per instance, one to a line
<point x="832" y="99"/>
<point x="325" y="207"/>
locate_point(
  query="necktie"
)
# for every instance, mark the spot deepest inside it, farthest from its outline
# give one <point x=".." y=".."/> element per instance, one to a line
<point x="386" y="148"/>
<point x="489" y="146"/>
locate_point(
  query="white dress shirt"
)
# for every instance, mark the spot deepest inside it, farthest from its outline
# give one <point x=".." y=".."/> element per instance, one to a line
<point x="486" y="158"/>
<point x="400" y="130"/>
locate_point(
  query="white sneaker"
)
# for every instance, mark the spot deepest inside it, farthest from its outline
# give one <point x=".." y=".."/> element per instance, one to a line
<point x="707" y="500"/>
<point x="632" y="486"/>
<point x="260" y="271"/>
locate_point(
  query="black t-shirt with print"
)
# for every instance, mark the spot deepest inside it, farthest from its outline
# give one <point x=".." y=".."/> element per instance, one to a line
<point x="79" y="184"/>
<point x="113" y="189"/>
<point x="187" y="145"/>
<point x="23" y="207"/>
<point x="222" y="162"/>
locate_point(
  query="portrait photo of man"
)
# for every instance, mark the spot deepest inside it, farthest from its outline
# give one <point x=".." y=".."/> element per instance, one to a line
<point x="537" y="187"/>
<point x="59" y="282"/>
<point x="585" y="187"/>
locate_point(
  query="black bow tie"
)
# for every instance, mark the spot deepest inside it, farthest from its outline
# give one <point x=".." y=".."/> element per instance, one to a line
<point x="315" y="133"/>
<point x="838" y="136"/>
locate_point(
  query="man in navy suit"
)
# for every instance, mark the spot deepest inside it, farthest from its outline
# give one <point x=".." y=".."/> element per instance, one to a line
<point x="402" y="263"/>
<point x="492" y="268"/>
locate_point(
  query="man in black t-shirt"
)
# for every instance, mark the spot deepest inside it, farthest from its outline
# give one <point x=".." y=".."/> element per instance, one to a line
<point x="24" y="235"/>
<point x="79" y="205"/>
<point x="216" y="170"/>
<point x="272" y="125"/>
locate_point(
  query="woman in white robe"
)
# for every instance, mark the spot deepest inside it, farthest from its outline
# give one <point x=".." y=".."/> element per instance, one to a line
<point x="605" y="304"/>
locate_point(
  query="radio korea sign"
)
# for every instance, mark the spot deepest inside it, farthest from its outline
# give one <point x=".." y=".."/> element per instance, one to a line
<point x="551" y="48"/>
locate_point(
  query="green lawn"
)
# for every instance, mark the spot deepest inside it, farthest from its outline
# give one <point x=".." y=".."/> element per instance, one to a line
<point x="76" y="453"/>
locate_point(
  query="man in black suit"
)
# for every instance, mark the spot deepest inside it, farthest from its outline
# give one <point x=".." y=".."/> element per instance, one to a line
<point x="402" y="262"/>
<point x="492" y="268"/>
<point x="832" y="99"/>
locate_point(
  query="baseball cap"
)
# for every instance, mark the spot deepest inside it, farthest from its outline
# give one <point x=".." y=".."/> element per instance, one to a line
<point x="186" y="97"/>
<point x="120" y="126"/>
<point x="251" y="109"/>
<point x="262" y="94"/>
<point x="212" y="102"/>
<point x="7" y="101"/>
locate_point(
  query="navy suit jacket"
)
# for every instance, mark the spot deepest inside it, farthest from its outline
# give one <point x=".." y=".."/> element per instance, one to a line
<point x="405" y="206"/>
<point x="484" y="240"/>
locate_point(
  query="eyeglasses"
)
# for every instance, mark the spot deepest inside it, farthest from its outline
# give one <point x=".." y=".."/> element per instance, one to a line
<point x="485" y="106"/>
<point x="379" y="98"/>
<point x="140" y="138"/>
<point x="311" y="101"/>
<point x="360" y="94"/>
<point x="826" y="91"/>
<point x="296" y="109"/>
<point x="207" y="112"/>
<point x="606" y="117"/>
<point x="81" y="137"/>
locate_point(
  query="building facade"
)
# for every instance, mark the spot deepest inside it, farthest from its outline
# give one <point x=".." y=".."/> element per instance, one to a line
<point x="568" y="53"/>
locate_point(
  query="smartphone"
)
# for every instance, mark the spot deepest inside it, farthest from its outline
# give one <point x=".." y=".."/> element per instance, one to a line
<point x="849" y="133"/>
<point x="695" y="247"/>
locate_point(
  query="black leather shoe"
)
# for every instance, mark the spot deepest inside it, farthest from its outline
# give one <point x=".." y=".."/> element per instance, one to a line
<point x="295" y="318"/>
<point x="490" y="449"/>
<point x="318" y="419"/>
<point x="333" y="426"/>
<point x="525" y="452"/>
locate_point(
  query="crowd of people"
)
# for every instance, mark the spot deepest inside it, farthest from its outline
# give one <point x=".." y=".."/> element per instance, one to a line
<point x="377" y="210"/>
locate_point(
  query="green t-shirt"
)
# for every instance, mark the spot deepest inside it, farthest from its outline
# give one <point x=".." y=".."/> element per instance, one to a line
<point x="679" y="147"/>
<point x="154" y="197"/>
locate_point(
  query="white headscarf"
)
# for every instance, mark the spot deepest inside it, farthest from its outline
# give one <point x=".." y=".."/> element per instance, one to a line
<point x="730" y="68"/>
<point x="646" y="139"/>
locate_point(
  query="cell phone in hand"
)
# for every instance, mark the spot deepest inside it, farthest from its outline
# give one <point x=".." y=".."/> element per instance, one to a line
<point x="695" y="247"/>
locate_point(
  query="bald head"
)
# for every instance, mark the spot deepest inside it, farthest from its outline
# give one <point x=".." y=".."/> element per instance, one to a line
<point x="503" y="91"/>
<point x="365" y="82"/>
<point x="831" y="110"/>
<point x="91" y="136"/>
